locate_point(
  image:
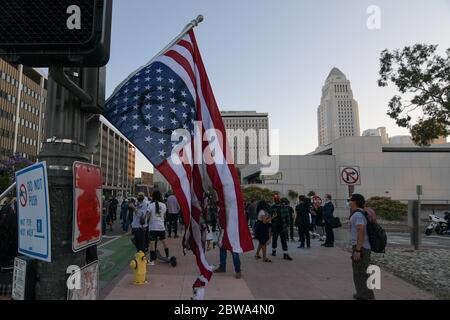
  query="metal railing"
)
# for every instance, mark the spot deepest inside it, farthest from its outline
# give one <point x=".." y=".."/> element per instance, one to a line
<point x="7" y="191"/>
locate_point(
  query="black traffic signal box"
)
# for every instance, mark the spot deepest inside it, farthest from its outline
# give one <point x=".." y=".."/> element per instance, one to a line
<point x="69" y="33"/>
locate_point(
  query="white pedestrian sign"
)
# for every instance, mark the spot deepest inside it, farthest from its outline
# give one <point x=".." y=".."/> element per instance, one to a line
<point x="34" y="212"/>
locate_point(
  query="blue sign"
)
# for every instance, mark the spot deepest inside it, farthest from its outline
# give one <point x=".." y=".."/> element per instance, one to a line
<point x="34" y="212"/>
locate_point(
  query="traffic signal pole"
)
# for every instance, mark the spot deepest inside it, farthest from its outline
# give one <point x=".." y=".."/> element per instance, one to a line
<point x="65" y="142"/>
<point x="60" y="35"/>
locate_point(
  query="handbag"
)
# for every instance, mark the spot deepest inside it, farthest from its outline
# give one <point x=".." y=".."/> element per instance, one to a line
<point x="335" y="222"/>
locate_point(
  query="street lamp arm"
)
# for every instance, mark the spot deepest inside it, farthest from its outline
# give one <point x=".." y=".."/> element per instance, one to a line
<point x="60" y="77"/>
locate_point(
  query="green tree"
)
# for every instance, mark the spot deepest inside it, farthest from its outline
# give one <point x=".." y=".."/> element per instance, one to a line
<point x="311" y="194"/>
<point x="388" y="209"/>
<point x="9" y="167"/>
<point x="258" y="193"/>
<point x="422" y="78"/>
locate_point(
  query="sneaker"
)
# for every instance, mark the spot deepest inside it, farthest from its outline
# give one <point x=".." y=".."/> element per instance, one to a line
<point x="219" y="270"/>
<point x="151" y="263"/>
<point x="238" y="275"/>
<point x="274" y="254"/>
<point x="329" y="246"/>
<point x="287" y="257"/>
<point x="301" y="247"/>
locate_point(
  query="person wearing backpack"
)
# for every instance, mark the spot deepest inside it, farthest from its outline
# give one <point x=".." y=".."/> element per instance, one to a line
<point x="361" y="248"/>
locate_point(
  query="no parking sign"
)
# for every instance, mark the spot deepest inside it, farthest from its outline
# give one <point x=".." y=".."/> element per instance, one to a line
<point x="34" y="212"/>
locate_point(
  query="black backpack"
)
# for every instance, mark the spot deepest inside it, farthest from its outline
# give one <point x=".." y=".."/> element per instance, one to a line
<point x="377" y="235"/>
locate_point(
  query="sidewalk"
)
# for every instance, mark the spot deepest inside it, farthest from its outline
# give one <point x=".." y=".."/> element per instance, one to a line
<point x="316" y="274"/>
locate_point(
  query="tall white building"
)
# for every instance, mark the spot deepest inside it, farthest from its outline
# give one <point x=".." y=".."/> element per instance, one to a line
<point x="338" y="114"/>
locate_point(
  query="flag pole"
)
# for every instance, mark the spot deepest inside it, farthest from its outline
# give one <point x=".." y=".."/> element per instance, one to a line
<point x="194" y="23"/>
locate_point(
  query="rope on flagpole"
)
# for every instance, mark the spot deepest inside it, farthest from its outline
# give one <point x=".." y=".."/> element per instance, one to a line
<point x="194" y="23"/>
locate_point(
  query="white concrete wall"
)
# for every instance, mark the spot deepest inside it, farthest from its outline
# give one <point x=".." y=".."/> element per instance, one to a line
<point x="395" y="174"/>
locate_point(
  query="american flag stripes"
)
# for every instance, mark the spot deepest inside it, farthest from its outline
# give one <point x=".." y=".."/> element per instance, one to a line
<point x="168" y="99"/>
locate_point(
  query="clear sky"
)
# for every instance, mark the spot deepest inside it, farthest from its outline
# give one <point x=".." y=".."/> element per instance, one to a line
<point x="274" y="55"/>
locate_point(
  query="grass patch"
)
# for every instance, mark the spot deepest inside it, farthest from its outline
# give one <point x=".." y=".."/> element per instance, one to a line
<point x="115" y="257"/>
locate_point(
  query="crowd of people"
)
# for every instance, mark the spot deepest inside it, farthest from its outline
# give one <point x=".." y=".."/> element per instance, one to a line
<point x="152" y="220"/>
<point x="313" y="218"/>
<point x="278" y="219"/>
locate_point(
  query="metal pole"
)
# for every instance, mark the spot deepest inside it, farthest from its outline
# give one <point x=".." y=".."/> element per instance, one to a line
<point x="65" y="143"/>
<point x="414" y="213"/>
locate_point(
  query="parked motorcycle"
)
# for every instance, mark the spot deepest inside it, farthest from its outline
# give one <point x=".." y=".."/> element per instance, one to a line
<point x="438" y="224"/>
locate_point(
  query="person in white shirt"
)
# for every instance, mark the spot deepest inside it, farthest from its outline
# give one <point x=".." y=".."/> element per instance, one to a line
<point x="157" y="230"/>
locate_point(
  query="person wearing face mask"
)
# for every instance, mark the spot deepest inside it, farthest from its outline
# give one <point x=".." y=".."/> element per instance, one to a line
<point x="279" y="214"/>
<point x="139" y="223"/>
<point x="328" y="214"/>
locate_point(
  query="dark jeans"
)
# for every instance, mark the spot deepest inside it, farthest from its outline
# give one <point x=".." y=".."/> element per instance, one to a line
<point x="223" y="260"/>
<point x="360" y="277"/>
<point x="146" y="239"/>
<point x="283" y="236"/>
<point x="172" y="223"/>
<point x="303" y="232"/>
<point x="139" y="238"/>
<point x="103" y="224"/>
<point x="213" y="225"/>
<point x="329" y="235"/>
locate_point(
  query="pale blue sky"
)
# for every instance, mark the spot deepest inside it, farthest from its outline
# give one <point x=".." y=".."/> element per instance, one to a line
<point x="274" y="55"/>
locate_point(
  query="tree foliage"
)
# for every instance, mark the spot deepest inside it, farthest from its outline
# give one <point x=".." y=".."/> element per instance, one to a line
<point x="388" y="209"/>
<point x="422" y="78"/>
<point x="258" y="193"/>
<point x="9" y="167"/>
<point x="311" y="194"/>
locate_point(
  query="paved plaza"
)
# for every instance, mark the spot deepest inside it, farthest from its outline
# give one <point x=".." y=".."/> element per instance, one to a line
<point x="315" y="274"/>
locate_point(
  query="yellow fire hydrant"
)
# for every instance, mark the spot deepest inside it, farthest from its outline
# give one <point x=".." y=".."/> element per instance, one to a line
<point x="139" y="266"/>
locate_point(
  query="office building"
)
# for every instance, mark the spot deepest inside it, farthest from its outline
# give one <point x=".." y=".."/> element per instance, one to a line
<point x="116" y="156"/>
<point x="379" y="132"/>
<point x="23" y="95"/>
<point x="248" y="135"/>
<point x="338" y="114"/>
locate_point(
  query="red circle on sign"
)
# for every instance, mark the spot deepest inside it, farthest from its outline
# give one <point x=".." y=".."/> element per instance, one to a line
<point x="350" y="175"/>
<point x="23" y="197"/>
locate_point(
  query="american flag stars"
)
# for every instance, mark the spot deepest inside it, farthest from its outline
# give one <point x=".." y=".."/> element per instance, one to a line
<point x="159" y="107"/>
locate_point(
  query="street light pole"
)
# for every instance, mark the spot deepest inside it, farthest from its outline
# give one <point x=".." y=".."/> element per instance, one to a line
<point x="64" y="144"/>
